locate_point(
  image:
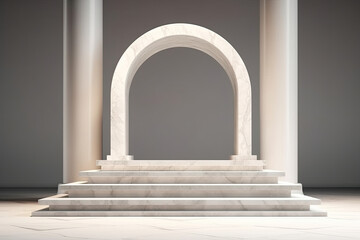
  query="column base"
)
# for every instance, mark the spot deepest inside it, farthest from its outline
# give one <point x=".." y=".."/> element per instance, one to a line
<point x="124" y="157"/>
<point x="243" y="157"/>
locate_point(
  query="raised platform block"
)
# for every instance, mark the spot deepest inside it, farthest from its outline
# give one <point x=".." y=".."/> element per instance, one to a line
<point x="209" y="177"/>
<point x="181" y="165"/>
<point x="180" y="188"/>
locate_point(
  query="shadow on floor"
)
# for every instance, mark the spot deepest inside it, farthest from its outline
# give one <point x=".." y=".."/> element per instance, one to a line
<point x="26" y="194"/>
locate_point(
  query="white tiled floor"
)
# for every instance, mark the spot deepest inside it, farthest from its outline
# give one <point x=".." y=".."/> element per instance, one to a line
<point x="343" y="222"/>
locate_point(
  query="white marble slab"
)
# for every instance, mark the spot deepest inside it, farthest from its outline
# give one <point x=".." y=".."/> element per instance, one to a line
<point x="295" y="202"/>
<point x="180" y="168"/>
<point x="181" y="165"/>
<point x="100" y="173"/>
<point x="313" y="212"/>
<point x="186" y="177"/>
<point x="62" y="199"/>
<point x="181" y="162"/>
<point x="178" y="190"/>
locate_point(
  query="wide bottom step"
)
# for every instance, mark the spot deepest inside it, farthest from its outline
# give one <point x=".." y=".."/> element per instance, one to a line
<point x="47" y="213"/>
<point x="297" y="202"/>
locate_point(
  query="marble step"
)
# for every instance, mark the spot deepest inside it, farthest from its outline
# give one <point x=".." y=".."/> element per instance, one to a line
<point x="313" y="212"/>
<point x="296" y="202"/>
<point x="103" y="176"/>
<point x="181" y="165"/>
<point x="83" y="189"/>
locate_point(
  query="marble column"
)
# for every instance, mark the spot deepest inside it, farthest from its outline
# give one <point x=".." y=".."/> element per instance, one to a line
<point x="82" y="116"/>
<point x="278" y="85"/>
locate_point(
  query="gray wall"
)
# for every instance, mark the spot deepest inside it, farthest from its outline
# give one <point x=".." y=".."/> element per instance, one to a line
<point x="30" y="93"/>
<point x="329" y="93"/>
<point x="181" y="103"/>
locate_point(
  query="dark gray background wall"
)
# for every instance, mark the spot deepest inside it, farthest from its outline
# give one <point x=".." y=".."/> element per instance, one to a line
<point x="30" y="93"/>
<point x="329" y="92"/>
<point x="181" y="103"/>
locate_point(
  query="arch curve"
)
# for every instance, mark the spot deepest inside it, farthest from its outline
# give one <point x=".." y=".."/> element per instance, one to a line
<point x="170" y="36"/>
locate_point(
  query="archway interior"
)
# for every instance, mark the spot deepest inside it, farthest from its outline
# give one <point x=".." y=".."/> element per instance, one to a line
<point x="181" y="110"/>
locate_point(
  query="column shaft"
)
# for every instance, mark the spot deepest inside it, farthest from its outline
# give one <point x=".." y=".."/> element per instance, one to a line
<point x="278" y="86"/>
<point x="82" y="96"/>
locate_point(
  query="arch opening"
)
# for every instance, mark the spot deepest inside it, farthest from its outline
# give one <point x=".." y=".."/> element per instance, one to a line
<point x="181" y="110"/>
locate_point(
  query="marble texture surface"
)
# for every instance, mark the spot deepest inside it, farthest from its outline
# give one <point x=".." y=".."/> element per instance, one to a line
<point x="158" y="197"/>
<point x="178" y="165"/>
<point x="178" y="190"/>
<point x="342" y="223"/>
<point x="296" y="202"/>
<point x="264" y="173"/>
<point x="189" y="213"/>
<point x="183" y="179"/>
<point x="265" y="176"/>
<point x="179" y="35"/>
<point x="181" y="162"/>
<point x="180" y="168"/>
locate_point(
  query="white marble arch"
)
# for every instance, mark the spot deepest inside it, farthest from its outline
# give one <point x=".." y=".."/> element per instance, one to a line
<point x="170" y="36"/>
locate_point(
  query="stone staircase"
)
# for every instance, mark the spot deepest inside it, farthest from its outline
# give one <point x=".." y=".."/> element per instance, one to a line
<point x="180" y="188"/>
